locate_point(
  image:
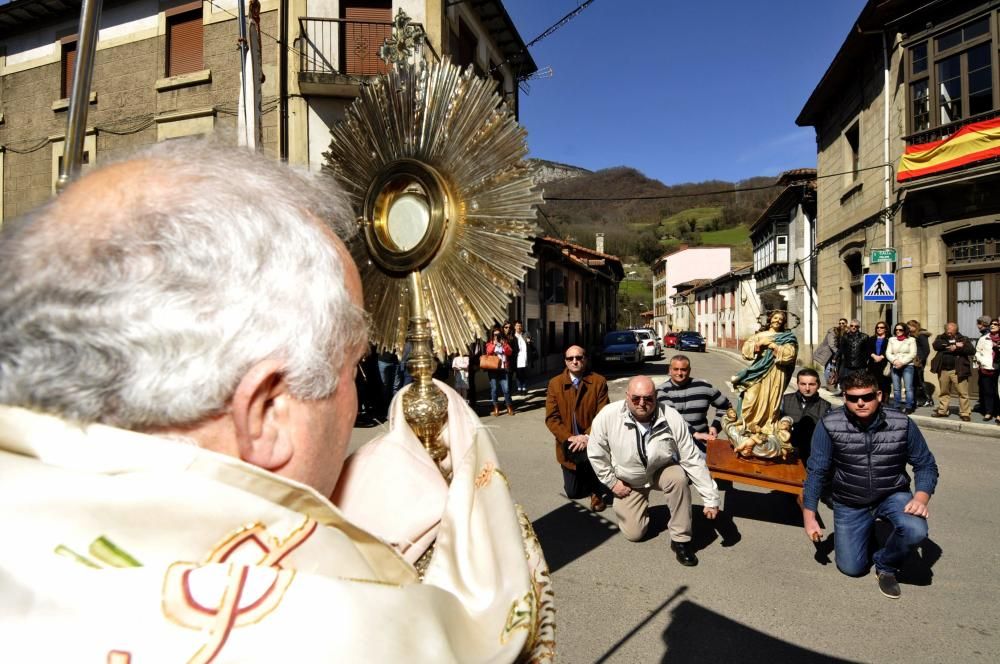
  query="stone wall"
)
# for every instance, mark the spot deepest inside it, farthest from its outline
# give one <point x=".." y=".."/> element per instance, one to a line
<point x="128" y="111"/>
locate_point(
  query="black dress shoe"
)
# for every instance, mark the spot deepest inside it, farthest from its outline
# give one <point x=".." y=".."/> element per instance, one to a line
<point x="685" y="556"/>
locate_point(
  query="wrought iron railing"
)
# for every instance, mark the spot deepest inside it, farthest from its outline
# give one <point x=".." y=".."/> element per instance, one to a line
<point x="946" y="130"/>
<point x="344" y="47"/>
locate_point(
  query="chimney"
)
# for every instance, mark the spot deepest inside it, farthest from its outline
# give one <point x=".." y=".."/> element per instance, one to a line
<point x="599" y="243"/>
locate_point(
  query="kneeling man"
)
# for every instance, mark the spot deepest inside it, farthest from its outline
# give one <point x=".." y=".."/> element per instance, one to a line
<point x="863" y="449"/>
<point x="639" y="444"/>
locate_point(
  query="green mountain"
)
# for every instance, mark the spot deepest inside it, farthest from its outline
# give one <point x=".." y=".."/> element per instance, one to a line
<point x="658" y="218"/>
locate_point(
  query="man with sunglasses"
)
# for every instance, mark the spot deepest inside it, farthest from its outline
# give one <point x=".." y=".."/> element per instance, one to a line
<point x="572" y="400"/>
<point x="862" y="450"/>
<point x="640" y="444"/>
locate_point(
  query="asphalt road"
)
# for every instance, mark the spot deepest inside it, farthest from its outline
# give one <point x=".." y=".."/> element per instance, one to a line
<point x="762" y="592"/>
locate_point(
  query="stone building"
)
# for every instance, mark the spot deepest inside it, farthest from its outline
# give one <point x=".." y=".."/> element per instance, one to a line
<point x="570" y="297"/>
<point x="161" y="70"/>
<point x="784" y="269"/>
<point x="170" y="68"/>
<point x="907" y="120"/>
<point x="735" y="307"/>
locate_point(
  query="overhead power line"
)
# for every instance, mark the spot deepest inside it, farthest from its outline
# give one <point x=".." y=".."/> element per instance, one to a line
<point x="716" y="192"/>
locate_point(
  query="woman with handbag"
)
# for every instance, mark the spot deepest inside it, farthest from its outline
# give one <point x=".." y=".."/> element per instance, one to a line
<point x="922" y="337"/>
<point x="495" y="362"/>
<point x="988" y="359"/>
<point x="901" y="352"/>
<point x="878" y="366"/>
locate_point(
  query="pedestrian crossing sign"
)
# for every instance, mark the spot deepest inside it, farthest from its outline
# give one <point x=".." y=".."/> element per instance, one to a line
<point x="880" y="287"/>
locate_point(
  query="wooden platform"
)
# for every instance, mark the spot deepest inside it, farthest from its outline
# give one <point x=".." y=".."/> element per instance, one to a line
<point x="724" y="464"/>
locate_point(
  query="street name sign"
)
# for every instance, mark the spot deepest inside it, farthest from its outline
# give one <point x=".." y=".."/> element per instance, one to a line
<point x="887" y="255"/>
<point x="879" y="287"/>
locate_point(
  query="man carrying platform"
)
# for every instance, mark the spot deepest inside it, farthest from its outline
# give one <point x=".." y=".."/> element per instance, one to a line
<point x="639" y="444"/>
<point x="862" y="450"/>
<point x="572" y="400"/>
<point x="806" y="408"/>
<point x="692" y="397"/>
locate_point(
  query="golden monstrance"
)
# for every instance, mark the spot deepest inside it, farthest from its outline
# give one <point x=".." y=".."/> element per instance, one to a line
<point x="432" y="160"/>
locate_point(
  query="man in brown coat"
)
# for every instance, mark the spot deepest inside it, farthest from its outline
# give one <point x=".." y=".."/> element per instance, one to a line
<point x="573" y="399"/>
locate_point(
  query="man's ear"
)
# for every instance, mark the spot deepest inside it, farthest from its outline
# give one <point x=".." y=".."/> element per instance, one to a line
<point x="260" y="412"/>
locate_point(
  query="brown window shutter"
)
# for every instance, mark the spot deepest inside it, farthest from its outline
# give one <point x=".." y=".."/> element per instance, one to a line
<point x="184" y="43"/>
<point x="68" y="65"/>
<point x="363" y="40"/>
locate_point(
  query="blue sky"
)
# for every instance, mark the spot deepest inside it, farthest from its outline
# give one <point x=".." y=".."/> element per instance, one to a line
<point x="682" y="91"/>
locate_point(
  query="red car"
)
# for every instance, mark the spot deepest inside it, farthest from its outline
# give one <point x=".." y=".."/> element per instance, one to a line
<point x="670" y="340"/>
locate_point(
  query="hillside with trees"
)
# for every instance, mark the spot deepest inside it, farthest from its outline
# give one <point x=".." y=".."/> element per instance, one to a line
<point x="657" y="218"/>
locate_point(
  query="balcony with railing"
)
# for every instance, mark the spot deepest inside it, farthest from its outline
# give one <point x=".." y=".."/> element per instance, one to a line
<point x="336" y="55"/>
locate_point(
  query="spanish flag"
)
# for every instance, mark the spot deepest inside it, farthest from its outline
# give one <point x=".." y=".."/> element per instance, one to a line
<point x="974" y="142"/>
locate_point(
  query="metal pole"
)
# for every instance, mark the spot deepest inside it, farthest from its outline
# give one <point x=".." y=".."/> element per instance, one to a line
<point x="83" y="72"/>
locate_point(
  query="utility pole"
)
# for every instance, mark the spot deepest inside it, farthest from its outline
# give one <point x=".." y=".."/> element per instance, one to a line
<point x="83" y="72"/>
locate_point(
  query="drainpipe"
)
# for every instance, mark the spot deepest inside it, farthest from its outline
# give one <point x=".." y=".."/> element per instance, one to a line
<point x="83" y="73"/>
<point x="887" y="172"/>
<point x="283" y="80"/>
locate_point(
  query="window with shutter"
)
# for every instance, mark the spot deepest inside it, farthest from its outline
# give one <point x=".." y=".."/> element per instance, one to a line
<point x="68" y="63"/>
<point x="184" y="43"/>
<point x="365" y="28"/>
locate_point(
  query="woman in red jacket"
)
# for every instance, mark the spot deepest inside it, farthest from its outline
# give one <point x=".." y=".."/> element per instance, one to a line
<point x="498" y="346"/>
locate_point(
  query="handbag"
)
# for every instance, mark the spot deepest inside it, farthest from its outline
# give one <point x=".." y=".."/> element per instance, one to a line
<point x="489" y="362"/>
<point x="887" y="370"/>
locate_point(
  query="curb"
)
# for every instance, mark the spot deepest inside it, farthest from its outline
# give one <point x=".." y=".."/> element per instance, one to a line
<point x="925" y="421"/>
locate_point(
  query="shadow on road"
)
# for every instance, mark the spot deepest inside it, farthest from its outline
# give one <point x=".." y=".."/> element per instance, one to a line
<point x="696" y="634"/>
<point x="571" y="531"/>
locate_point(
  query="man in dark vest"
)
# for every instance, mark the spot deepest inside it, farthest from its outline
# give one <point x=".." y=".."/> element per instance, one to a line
<point x="862" y="449"/>
<point x="806" y="408"/>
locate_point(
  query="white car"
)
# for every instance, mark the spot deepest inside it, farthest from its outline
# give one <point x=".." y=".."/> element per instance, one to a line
<point x="651" y="344"/>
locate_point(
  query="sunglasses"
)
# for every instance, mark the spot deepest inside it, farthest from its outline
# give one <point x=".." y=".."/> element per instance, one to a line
<point x="866" y="397"/>
<point x="642" y="399"/>
<point x="853" y="327"/>
<point x="880" y="327"/>
<point x="575" y="358"/>
<point x="899" y="329"/>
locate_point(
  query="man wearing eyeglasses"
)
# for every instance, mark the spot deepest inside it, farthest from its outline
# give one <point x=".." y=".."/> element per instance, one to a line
<point x="852" y="355"/>
<point x="572" y="400"/>
<point x="862" y="449"/>
<point x="639" y="444"/>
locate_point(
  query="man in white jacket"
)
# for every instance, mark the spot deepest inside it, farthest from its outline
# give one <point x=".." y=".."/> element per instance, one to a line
<point x="638" y="444"/>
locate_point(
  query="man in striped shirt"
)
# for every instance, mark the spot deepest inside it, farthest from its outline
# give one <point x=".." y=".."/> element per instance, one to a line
<point x="692" y="397"/>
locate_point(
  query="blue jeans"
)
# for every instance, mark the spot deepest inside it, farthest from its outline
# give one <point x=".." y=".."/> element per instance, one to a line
<point x="904" y="376"/>
<point x="853" y="528"/>
<point x="499" y="377"/>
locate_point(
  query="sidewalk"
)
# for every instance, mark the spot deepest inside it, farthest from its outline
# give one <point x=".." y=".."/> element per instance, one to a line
<point x="951" y="423"/>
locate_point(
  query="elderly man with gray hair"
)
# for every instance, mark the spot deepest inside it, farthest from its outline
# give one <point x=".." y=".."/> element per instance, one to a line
<point x="178" y="340"/>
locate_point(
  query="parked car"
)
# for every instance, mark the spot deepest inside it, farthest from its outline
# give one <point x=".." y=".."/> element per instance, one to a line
<point x="622" y="346"/>
<point x="651" y="346"/>
<point x="670" y="340"/>
<point x="691" y="341"/>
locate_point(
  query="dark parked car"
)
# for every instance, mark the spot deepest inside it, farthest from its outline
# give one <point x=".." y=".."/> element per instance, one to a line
<point x="670" y="339"/>
<point x="691" y="341"/>
<point x="621" y="346"/>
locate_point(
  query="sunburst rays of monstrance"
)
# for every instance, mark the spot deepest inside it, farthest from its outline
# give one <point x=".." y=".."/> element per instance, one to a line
<point x="432" y="162"/>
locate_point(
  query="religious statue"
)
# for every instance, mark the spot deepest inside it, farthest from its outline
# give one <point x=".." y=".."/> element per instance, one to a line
<point x="753" y="427"/>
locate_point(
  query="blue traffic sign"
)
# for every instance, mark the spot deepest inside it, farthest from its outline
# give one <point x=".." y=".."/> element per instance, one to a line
<point x="879" y="287"/>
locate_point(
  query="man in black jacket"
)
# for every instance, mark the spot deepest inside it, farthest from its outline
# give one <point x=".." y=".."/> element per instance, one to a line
<point x="852" y="351"/>
<point x="862" y="449"/>
<point x="953" y="366"/>
<point x="806" y="408"/>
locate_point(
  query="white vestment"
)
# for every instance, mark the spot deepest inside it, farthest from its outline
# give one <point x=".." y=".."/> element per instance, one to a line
<point x="123" y="547"/>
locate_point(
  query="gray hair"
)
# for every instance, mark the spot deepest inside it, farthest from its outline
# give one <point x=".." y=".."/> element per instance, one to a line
<point x="151" y="316"/>
<point x="984" y="321"/>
